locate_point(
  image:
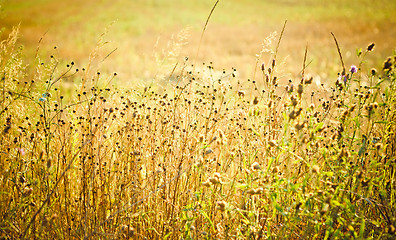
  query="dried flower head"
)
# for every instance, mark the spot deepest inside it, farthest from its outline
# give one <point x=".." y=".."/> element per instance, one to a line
<point x="256" y="166"/>
<point x="315" y="169"/>
<point x="272" y="143"/>
<point x="370" y="47"/>
<point x="214" y="180"/>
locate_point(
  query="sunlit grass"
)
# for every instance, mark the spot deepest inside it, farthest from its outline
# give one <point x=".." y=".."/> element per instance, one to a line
<point x="202" y="154"/>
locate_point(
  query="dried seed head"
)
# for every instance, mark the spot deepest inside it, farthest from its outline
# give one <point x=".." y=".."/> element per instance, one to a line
<point x="221" y="205"/>
<point x="255" y="101"/>
<point x="206" y="184"/>
<point x="27" y="191"/>
<point x="259" y="190"/>
<point x="256" y="166"/>
<point x="315" y="169"/>
<point x="388" y="64"/>
<point x="308" y="81"/>
<point x="270" y="104"/>
<point x="272" y="143"/>
<point x="299" y="126"/>
<point x="365" y="182"/>
<point x="221" y="134"/>
<point x="325" y="209"/>
<point x="251" y="191"/>
<point x="370" y="47"/>
<point x="208" y="151"/>
<point x="300" y="90"/>
<point x="352" y="108"/>
<point x="293" y="100"/>
<point x="391" y="230"/>
<point x="214" y="180"/>
<point x="276" y="169"/>
<point x="378" y="146"/>
<point x="127" y="230"/>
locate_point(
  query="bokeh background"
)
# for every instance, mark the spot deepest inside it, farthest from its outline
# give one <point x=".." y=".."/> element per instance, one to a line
<point x="147" y="37"/>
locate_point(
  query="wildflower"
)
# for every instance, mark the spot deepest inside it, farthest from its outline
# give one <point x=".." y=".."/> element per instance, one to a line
<point x="353" y="69"/>
<point x="42" y="99"/>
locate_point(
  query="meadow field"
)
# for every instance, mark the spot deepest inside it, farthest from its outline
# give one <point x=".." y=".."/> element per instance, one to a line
<point x="200" y="119"/>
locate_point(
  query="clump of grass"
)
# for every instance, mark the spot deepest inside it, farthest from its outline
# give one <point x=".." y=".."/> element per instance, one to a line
<point x="207" y="156"/>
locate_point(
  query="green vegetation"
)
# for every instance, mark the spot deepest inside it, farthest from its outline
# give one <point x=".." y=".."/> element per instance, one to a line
<point x="195" y="152"/>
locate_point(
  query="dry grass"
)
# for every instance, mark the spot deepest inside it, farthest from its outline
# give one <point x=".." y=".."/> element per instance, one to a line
<point x="204" y="155"/>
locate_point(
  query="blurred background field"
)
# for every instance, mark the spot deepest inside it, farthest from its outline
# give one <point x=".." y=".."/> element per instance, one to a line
<point x="150" y="36"/>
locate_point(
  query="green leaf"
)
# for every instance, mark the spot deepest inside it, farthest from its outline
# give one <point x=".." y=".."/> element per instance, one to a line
<point x="358" y="52"/>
